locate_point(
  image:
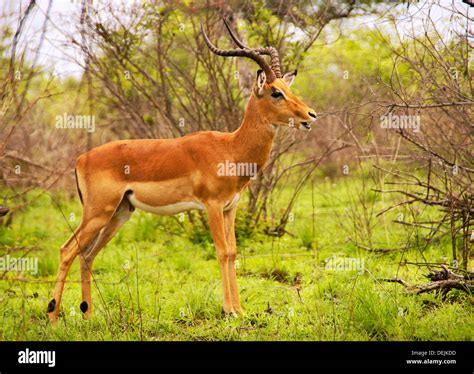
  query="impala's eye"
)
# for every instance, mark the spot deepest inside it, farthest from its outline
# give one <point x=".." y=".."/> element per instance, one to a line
<point x="277" y="94"/>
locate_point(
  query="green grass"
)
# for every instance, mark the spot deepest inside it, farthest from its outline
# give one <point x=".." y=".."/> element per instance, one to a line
<point x="158" y="280"/>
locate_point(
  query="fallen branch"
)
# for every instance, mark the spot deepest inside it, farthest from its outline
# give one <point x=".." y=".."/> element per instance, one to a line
<point x="380" y="250"/>
<point x="445" y="285"/>
<point x="396" y="280"/>
<point x="442" y="280"/>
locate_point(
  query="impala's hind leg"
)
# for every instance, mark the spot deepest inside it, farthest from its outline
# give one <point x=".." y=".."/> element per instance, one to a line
<point x="83" y="237"/>
<point x="121" y="215"/>
<point x="67" y="255"/>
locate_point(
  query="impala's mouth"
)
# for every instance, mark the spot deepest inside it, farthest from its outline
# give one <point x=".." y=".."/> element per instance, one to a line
<point x="305" y="125"/>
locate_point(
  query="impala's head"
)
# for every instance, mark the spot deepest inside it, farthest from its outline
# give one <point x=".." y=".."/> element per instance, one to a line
<point x="271" y="89"/>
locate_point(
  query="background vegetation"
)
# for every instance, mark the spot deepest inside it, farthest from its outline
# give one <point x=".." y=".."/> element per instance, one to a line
<point x="397" y="201"/>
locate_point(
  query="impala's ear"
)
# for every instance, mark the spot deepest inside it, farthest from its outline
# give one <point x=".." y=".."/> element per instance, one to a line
<point x="260" y="83"/>
<point x="290" y="77"/>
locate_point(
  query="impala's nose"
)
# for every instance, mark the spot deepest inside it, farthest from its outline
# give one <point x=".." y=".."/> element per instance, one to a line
<point x="312" y="114"/>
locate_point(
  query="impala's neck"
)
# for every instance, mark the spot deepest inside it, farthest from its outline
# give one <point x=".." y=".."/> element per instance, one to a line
<point x="252" y="141"/>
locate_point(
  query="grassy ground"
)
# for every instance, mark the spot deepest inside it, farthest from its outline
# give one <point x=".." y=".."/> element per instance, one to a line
<point x="157" y="281"/>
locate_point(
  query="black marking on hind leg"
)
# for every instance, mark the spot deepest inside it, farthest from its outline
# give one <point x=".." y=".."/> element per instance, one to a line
<point x="131" y="208"/>
<point x="51" y="306"/>
<point x="84" y="306"/>
<point x="78" y="189"/>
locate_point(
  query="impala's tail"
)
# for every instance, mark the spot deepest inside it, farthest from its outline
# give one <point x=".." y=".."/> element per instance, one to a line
<point x="77" y="185"/>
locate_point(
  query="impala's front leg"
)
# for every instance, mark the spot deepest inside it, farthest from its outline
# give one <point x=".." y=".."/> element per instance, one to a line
<point x="229" y="220"/>
<point x="216" y="223"/>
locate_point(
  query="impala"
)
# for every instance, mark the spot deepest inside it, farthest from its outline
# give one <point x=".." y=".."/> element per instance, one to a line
<point x="168" y="176"/>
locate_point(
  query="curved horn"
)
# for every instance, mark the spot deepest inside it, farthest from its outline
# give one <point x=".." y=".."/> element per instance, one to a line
<point x="273" y="53"/>
<point x="233" y="36"/>
<point x="270" y="51"/>
<point x="244" y="52"/>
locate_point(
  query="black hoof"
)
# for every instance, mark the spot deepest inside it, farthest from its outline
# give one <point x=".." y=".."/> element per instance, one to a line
<point x="84" y="307"/>
<point x="51" y="305"/>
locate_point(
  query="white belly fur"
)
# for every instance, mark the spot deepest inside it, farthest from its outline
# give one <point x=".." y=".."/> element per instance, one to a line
<point x="232" y="203"/>
<point x="182" y="206"/>
<point x="165" y="210"/>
